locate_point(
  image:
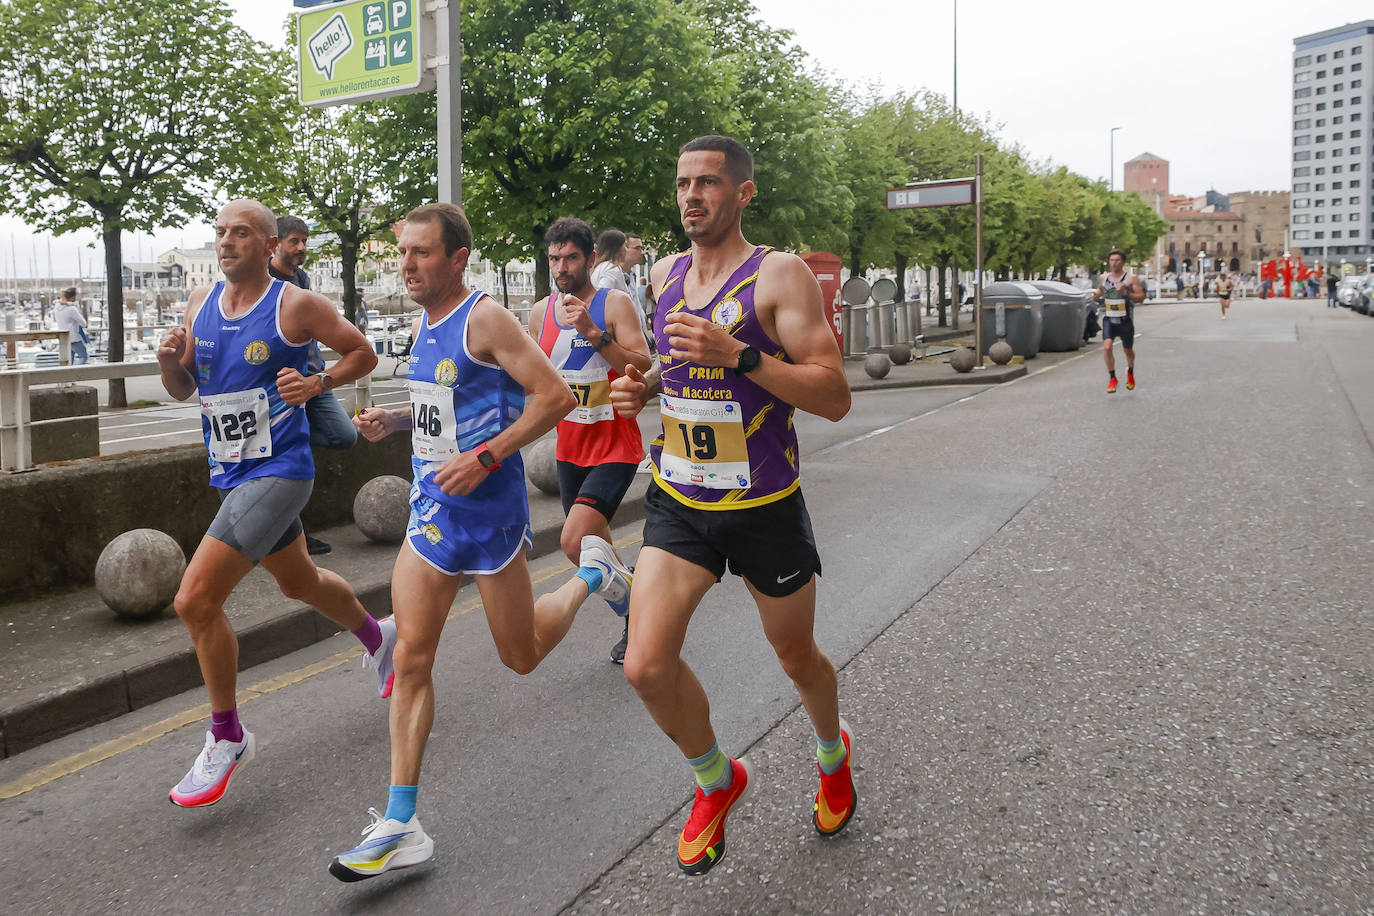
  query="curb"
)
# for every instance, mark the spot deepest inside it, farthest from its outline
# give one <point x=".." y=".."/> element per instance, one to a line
<point x="981" y="377"/>
<point x="60" y="712"/>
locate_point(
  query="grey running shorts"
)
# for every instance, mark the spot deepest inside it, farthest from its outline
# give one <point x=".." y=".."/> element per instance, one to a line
<point x="261" y="516"/>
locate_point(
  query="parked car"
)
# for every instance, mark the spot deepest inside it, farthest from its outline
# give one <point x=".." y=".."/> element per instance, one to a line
<point x="1352" y="293"/>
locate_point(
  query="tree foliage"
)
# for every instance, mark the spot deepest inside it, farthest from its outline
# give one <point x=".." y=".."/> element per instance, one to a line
<point x="118" y="117"/>
<point x="354" y="171"/>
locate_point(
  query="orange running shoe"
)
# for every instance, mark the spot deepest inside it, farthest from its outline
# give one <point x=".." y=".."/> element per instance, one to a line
<point x="1130" y="380"/>
<point x="702" y="843"/>
<point x="1111" y="386"/>
<point x="836" y="798"/>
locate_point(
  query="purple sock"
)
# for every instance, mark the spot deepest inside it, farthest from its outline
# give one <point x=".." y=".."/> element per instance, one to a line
<point x="225" y="725"/>
<point x="370" y="635"/>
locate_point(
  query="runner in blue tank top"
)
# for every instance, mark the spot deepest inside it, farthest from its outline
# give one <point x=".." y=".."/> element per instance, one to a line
<point x="242" y="350"/>
<point x="742" y="341"/>
<point x="468" y="418"/>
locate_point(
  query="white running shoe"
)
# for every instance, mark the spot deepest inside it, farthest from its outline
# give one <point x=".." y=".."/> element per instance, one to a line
<point x="616" y="579"/>
<point x="380" y="661"/>
<point x="209" y="776"/>
<point x="386" y="844"/>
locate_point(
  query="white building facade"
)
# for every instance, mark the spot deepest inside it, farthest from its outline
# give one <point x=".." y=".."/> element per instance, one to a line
<point x="1333" y="149"/>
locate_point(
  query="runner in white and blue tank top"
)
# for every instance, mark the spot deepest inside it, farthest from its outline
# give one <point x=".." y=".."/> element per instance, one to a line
<point x="249" y="430"/>
<point x="480" y="390"/>
<point x="243" y="351"/>
<point x="457" y="403"/>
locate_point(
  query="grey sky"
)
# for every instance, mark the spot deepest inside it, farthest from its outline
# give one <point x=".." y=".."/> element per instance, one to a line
<point x="1206" y="87"/>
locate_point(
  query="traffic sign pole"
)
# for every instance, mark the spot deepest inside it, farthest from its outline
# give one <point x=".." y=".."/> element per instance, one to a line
<point x="448" y="76"/>
<point x="978" y="265"/>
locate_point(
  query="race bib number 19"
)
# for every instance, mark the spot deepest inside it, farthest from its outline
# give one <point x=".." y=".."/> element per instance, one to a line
<point x="703" y="444"/>
<point x="240" y="425"/>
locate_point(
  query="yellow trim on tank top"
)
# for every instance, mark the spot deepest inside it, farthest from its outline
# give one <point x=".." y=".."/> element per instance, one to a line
<point x="722" y="506"/>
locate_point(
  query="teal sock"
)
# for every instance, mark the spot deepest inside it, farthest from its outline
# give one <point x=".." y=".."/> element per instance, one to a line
<point x="713" y="770"/>
<point x="831" y="754"/>
<point x="590" y="575"/>
<point x="400" y="805"/>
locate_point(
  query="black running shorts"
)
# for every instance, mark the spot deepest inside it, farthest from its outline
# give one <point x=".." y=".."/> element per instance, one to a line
<point x="772" y="546"/>
<point x="602" y="487"/>
<point x="1122" y="329"/>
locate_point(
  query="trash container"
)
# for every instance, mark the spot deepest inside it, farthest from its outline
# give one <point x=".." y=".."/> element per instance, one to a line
<point x="1064" y="314"/>
<point x="1022" y="306"/>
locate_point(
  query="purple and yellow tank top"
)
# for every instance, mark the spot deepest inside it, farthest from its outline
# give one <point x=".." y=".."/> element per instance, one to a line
<point x="726" y="442"/>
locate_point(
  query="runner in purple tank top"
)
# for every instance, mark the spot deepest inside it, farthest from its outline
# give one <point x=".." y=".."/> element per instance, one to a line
<point x="742" y="343"/>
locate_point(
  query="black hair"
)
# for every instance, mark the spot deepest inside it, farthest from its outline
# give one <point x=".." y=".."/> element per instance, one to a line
<point x="291" y="225"/>
<point x="739" y="162"/>
<point x="567" y="229"/>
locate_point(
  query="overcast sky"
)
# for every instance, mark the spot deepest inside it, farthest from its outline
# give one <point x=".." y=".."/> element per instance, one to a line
<point x="1206" y="87"/>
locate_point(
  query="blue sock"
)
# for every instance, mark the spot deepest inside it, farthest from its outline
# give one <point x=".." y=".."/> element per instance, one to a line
<point x="400" y="805"/>
<point x="590" y="575"/>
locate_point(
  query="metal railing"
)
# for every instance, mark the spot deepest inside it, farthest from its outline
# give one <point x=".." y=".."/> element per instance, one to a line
<point x="16" y="440"/>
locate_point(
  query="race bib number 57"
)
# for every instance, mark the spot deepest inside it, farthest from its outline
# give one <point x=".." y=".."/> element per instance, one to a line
<point x="703" y="444"/>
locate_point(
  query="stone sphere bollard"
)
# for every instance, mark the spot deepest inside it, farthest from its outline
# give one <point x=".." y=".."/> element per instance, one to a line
<point x="900" y="354"/>
<point x="877" y="365"/>
<point x="139" y="572"/>
<point x="1000" y="353"/>
<point x="541" y="468"/>
<point x="962" y="360"/>
<point x="381" y="510"/>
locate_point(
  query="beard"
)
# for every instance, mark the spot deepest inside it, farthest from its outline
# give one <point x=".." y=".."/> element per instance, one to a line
<point x="572" y="283"/>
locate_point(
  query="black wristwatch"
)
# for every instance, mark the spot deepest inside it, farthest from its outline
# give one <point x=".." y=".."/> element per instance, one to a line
<point x="607" y="338"/>
<point x="486" y="459"/>
<point x="749" y="359"/>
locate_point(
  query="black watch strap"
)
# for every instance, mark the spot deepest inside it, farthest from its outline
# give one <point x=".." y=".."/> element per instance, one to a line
<point x="749" y="359"/>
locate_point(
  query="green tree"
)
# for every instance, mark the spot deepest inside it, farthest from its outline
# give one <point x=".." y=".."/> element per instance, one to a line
<point x="569" y="108"/>
<point x="791" y="119"/>
<point x="354" y="171"/>
<point x="119" y="117"/>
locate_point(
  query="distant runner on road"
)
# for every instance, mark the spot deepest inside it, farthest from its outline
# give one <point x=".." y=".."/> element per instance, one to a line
<point x="1120" y="292"/>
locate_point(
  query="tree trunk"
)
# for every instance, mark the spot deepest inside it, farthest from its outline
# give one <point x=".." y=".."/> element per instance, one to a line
<point x="955" y="295"/>
<point x="541" y="265"/>
<point x="348" y="256"/>
<point x="901" y="276"/>
<point x="114" y="304"/>
<point x="505" y="290"/>
<point x="853" y="262"/>
<point x="941" y="302"/>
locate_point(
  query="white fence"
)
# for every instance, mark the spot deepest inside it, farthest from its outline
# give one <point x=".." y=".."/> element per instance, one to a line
<point x="16" y="441"/>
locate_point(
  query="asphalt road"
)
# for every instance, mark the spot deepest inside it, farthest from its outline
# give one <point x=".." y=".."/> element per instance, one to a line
<point x="1101" y="654"/>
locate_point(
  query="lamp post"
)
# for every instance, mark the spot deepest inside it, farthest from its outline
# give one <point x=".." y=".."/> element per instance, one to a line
<point x="1201" y="270"/>
<point x="1111" y="175"/>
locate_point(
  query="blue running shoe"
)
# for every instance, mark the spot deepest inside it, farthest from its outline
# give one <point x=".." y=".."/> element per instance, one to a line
<point x="616" y="579"/>
<point x="386" y="845"/>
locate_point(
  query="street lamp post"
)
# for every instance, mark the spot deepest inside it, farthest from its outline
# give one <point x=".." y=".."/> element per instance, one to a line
<point x="1111" y="175"/>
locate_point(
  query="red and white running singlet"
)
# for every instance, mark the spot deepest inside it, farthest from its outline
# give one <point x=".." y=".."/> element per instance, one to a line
<point x="592" y="433"/>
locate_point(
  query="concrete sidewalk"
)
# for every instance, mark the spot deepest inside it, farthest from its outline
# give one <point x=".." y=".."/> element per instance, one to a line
<point x="71" y="663"/>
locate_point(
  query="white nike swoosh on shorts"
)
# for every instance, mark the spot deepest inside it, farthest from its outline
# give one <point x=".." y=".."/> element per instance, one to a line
<point x="782" y="579"/>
